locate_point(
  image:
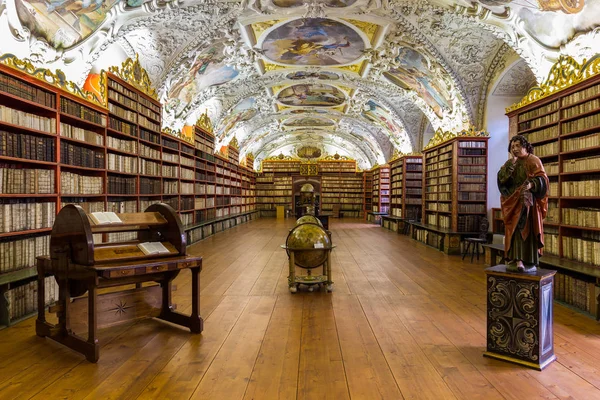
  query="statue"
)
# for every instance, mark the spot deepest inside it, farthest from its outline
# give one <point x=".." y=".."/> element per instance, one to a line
<point x="523" y="185"/>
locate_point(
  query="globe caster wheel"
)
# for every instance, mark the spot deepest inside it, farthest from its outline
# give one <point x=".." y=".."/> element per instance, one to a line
<point x="293" y="289"/>
<point x="329" y="288"/>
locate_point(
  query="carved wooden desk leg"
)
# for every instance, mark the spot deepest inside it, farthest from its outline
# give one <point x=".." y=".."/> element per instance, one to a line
<point x="196" y="322"/>
<point x="93" y="352"/>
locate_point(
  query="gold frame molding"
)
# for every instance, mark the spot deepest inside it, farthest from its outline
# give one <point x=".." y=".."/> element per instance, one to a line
<point x="132" y="72"/>
<point x="441" y="136"/>
<point x="565" y="73"/>
<point x="205" y="123"/>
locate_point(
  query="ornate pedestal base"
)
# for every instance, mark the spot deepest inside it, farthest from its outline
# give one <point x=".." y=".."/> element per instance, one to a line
<point x="519" y="316"/>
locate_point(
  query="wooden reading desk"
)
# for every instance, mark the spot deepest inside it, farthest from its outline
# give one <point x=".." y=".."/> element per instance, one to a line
<point x="80" y="265"/>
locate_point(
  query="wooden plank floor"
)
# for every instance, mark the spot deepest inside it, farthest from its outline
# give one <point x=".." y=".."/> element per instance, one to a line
<point x="404" y="321"/>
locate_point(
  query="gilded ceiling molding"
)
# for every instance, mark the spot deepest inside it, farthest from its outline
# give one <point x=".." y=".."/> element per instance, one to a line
<point x="56" y="79"/>
<point x="133" y="73"/>
<point x="204" y="122"/>
<point x="442" y="137"/>
<point x="564" y="74"/>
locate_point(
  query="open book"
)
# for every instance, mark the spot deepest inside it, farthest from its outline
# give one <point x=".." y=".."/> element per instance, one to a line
<point x="149" y="248"/>
<point x="102" y="218"/>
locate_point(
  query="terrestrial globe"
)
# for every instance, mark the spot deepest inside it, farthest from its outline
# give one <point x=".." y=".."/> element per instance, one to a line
<point x="306" y="236"/>
<point x="308" y="218"/>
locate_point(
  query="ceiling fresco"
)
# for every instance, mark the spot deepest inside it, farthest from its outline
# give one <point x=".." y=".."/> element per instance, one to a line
<point x="361" y="78"/>
<point x="313" y="41"/>
<point x="311" y="95"/>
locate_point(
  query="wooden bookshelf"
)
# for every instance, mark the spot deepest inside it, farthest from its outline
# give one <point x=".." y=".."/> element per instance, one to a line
<point x="406" y="192"/>
<point x="341" y="188"/>
<point x="368" y="192"/>
<point x="381" y="189"/>
<point x="57" y="149"/>
<point x="497" y="221"/>
<point x="455" y="184"/>
<point x="274" y="185"/>
<point x="563" y="129"/>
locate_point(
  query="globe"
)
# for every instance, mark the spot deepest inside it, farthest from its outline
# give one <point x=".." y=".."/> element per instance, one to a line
<point x="305" y="236"/>
<point x="308" y="218"/>
<point x="307" y="188"/>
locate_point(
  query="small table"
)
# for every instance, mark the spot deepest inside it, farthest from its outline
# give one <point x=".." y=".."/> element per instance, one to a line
<point x="519" y="316"/>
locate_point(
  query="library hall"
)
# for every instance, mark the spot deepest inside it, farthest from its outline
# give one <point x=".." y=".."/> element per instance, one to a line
<point x="300" y="199"/>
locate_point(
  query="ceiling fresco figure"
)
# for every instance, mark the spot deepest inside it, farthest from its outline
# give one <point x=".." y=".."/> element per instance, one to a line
<point x="411" y="72"/>
<point x="313" y="41"/>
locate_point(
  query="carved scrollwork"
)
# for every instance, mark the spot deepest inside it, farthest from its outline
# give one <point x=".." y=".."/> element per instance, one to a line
<point x="132" y="72"/>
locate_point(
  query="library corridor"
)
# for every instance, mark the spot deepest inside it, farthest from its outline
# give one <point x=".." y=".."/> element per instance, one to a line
<point x="403" y="321"/>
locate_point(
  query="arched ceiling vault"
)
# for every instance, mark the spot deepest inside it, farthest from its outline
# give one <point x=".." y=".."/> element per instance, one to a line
<point x="358" y="77"/>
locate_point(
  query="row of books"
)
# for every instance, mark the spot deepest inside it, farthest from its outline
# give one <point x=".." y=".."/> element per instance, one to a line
<point x="582" y="250"/>
<point x="22" y="300"/>
<point x="552" y="216"/>
<point x="121" y="163"/>
<point x="585" y="217"/>
<point x="129" y="115"/>
<point x="149" y="186"/>
<point x="580" y="124"/>
<point x="78" y="110"/>
<point x="26" y="180"/>
<point x="472" y="152"/>
<point x="548" y="149"/>
<point x="581" y="164"/>
<point x="551" y="243"/>
<point x="551" y="168"/>
<point x="84" y="135"/>
<point x="170" y="157"/>
<point x="584" y="188"/>
<point x="26" y="215"/>
<point x="467" y="196"/>
<point x="21" y="253"/>
<point x="539" y="111"/>
<point x="472" y="208"/>
<point x="27" y="120"/>
<point x="21" y="145"/>
<point x="469" y="178"/>
<point x="202" y="202"/>
<point x="122" y="127"/>
<point x="536" y="123"/>
<point x="16" y="87"/>
<point x="576" y="292"/>
<point x="188" y="174"/>
<point x="542" y="134"/>
<point x="146" y="123"/>
<point x="581" y="95"/>
<point x="121" y="185"/>
<point x="472" y="160"/>
<point x="170" y="171"/>
<point x="581" y="108"/>
<point x="581" y="142"/>
<point x="81" y="156"/>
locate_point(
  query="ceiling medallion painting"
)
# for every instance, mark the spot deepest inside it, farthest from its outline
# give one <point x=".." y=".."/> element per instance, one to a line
<point x="243" y="111"/>
<point x="309" y="152"/>
<point x="63" y="23"/>
<point x="308" y="121"/>
<point x="411" y="72"/>
<point x="313" y="41"/>
<point x="330" y="3"/>
<point x="323" y="75"/>
<point x="311" y="95"/>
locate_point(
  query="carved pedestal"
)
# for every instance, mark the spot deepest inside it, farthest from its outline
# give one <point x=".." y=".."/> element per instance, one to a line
<point x="519" y="316"/>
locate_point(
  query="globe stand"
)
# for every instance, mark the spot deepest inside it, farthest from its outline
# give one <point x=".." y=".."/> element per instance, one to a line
<point x="309" y="279"/>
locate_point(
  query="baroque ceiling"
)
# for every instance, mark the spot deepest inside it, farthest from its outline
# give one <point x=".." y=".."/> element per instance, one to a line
<point x="360" y="78"/>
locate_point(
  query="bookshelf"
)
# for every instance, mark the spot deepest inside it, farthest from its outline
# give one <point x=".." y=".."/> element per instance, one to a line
<point x="455" y="184"/>
<point x="406" y="192"/>
<point x="368" y="192"/>
<point x="57" y="148"/>
<point x="497" y="221"/>
<point x="563" y="125"/>
<point x="274" y="185"/>
<point x="381" y="189"/>
<point x="341" y="187"/>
